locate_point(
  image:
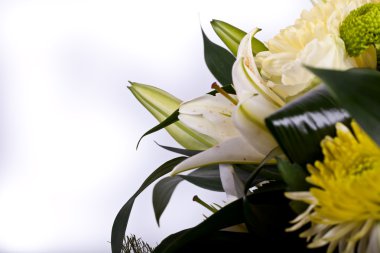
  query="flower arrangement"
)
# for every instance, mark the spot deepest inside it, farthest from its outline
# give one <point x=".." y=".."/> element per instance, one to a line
<point x="290" y="132"/>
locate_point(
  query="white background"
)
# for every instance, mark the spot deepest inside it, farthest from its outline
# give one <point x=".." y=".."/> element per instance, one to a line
<point x="69" y="125"/>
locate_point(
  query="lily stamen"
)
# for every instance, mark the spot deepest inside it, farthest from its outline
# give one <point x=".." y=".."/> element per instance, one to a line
<point x="219" y="89"/>
<point x="204" y="204"/>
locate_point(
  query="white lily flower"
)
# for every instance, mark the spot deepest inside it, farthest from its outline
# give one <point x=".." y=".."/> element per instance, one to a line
<point x="267" y="81"/>
<point x="251" y="141"/>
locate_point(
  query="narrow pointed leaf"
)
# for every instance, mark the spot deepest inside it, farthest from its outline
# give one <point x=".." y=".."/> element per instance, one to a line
<point x="162" y="192"/>
<point x="181" y="151"/>
<point x="267" y="172"/>
<point x="218" y="60"/>
<point x="300" y="126"/>
<point x="167" y="122"/>
<point x="121" y="220"/>
<point x="252" y="177"/>
<point x="358" y="91"/>
<point x="207" y="178"/>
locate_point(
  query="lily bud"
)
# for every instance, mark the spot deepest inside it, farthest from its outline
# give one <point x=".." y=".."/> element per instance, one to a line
<point x="161" y="105"/>
<point x="232" y="36"/>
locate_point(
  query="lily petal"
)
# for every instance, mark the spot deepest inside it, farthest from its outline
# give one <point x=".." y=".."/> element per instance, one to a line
<point x="232" y="185"/>
<point x="232" y="151"/>
<point x="249" y="119"/>
<point x="246" y="76"/>
<point x="209" y="115"/>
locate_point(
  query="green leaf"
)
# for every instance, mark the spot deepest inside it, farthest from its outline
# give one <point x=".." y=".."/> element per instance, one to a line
<point x="300" y="125"/>
<point x="167" y="122"/>
<point x="220" y="242"/>
<point x="181" y="151"/>
<point x="162" y="192"/>
<point x="228" y="216"/>
<point x="233" y="214"/>
<point x="295" y="178"/>
<point x="121" y="220"/>
<point x="293" y="175"/>
<point x="218" y="60"/>
<point x="252" y="177"/>
<point x="358" y="91"/>
<point x="267" y="217"/>
<point x="230" y="35"/>
<point x="207" y="178"/>
<point x="267" y="172"/>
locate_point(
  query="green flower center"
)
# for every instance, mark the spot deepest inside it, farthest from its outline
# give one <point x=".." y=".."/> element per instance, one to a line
<point x="361" y="29"/>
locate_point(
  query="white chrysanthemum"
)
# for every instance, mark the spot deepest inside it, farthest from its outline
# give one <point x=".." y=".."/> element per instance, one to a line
<point x="313" y="40"/>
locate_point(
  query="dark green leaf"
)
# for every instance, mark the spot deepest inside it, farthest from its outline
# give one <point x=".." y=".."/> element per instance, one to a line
<point x="297" y="206"/>
<point x="267" y="217"/>
<point x="358" y="91"/>
<point x="218" y="60"/>
<point x="234" y="214"/>
<point x="228" y="216"/>
<point x="300" y="126"/>
<point x="181" y="151"/>
<point x="162" y="193"/>
<point x="121" y="220"/>
<point x="252" y="177"/>
<point x="295" y="178"/>
<point x="293" y="175"/>
<point x="220" y="242"/>
<point x="167" y="122"/>
<point x="206" y="178"/>
<point x="267" y="172"/>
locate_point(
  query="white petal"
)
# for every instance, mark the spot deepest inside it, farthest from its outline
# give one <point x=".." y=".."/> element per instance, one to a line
<point x="246" y="77"/>
<point x="328" y="52"/>
<point x="249" y="119"/>
<point x="232" y="185"/>
<point x="209" y="115"/>
<point x="231" y="151"/>
<point x="374" y="240"/>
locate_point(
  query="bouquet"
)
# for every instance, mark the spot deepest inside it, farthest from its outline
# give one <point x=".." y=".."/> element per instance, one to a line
<point x="290" y="131"/>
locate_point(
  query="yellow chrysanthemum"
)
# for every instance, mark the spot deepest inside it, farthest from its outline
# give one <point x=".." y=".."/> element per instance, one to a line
<point x="344" y="205"/>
